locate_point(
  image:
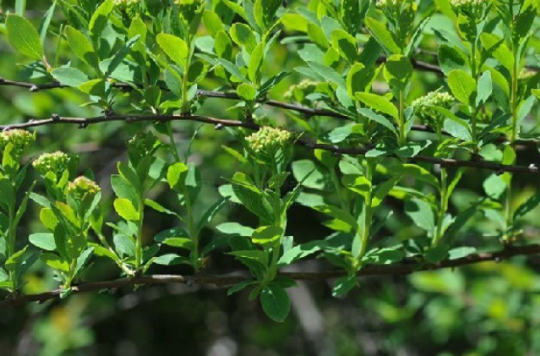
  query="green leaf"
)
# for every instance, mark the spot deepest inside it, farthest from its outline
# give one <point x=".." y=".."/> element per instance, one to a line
<point x="528" y="206"/>
<point x="460" y="252"/>
<point x="462" y="86"/>
<point x="223" y="45"/>
<point x="124" y="246"/>
<point x="300" y="251"/>
<point x="232" y="69"/>
<point x="267" y="235"/>
<point x="55" y="262"/>
<point x="484" y="89"/>
<point x="436" y="254"/>
<point x="82" y="47"/>
<point x="243" y="36"/>
<point x="370" y="114"/>
<point x="344" y="285"/>
<point x="44" y="241"/>
<point x="316" y="34"/>
<point x="171" y="260"/>
<point x="247" y="91"/>
<point x="265" y="12"/>
<point x="383" y="36"/>
<point x="174" y="47"/>
<point x="176" y="176"/>
<point x="99" y="19"/>
<point x="211" y="213"/>
<point x="232" y="228"/>
<point x="450" y="58"/>
<point x="345" y="44"/>
<point x="24" y="37"/>
<point x="126" y="210"/>
<point x="357" y="183"/>
<point x="494" y="186"/>
<point x="69" y="76"/>
<point x="421" y="213"/>
<point x="275" y="302"/>
<point x="398" y="71"/>
<point x="329" y="73"/>
<point x="307" y="172"/>
<point x="378" y="103"/>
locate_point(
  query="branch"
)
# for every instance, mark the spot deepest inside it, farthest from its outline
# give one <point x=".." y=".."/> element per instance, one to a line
<point x="399" y="269"/>
<point x="219" y="123"/>
<point x="233" y="96"/>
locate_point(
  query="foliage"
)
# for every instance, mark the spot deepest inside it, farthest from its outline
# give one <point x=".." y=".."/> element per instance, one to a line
<point x="133" y="60"/>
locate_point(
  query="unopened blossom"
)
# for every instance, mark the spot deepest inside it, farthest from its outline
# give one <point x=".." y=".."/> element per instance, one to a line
<point x="424" y="105"/>
<point x="305" y="85"/>
<point x="83" y="186"/>
<point x="125" y="3"/>
<point x="56" y="162"/>
<point x="268" y="140"/>
<point x="19" y="139"/>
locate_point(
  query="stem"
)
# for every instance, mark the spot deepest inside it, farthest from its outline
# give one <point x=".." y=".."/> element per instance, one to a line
<point x="185" y="81"/>
<point x="401" y="122"/>
<point x="368" y="217"/>
<point x="138" y="242"/>
<point x="475" y="77"/>
<point x="344" y="204"/>
<point x="443" y="206"/>
<point x="513" y="136"/>
<point x="172" y="144"/>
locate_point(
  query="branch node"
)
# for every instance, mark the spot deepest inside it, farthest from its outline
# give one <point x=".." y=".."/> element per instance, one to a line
<point x="129" y="119"/>
<point x="34" y="88"/>
<point x="83" y="125"/>
<point x="2" y="80"/>
<point x="533" y="168"/>
<point x="55" y="117"/>
<point x="218" y="127"/>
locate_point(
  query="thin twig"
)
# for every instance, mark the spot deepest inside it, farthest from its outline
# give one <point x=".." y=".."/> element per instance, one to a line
<point x="219" y="123"/>
<point x="398" y="269"/>
<point x="307" y="111"/>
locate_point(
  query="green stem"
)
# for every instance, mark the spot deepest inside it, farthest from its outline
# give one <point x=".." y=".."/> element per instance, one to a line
<point x="185" y="81"/>
<point x="368" y="217"/>
<point x="443" y="206"/>
<point x="513" y="136"/>
<point x="138" y="242"/>
<point x="474" y="71"/>
<point x="401" y="122"/>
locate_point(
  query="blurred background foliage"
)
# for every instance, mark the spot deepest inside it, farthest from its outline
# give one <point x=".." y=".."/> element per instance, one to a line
<point x="489" y="309"/>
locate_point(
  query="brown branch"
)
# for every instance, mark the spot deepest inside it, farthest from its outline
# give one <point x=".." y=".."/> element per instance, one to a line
<point x="219" y="123"/>
<point x="233" y="96"/>
<point x="399" y="269"/>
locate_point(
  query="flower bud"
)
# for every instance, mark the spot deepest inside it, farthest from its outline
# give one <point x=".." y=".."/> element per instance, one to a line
<point x="19" y="139"/>
<point x="81" y="187"/>
<point x="268" y="140"/>
<point x="125" y="3"/>
<point x="424" y="105"/>
<point x="56" y="162"/>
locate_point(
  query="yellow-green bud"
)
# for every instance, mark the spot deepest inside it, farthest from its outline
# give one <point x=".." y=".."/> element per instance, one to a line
<point x="424" y="105"/>
<point x="56" y="162"/>
<point x="83" y="186"/>
<point x="268" y="140"/>
<point x="125" y="3"/>
<point x="19" y="139"/>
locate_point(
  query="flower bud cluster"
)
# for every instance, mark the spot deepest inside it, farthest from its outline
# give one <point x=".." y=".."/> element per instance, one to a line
<point x="125" y="3"/>
<point x="19" y="139"/>
<point x="56" y="162"/>
<point x="424" y="105"/>
<point x="82" y="186"/>
<point x="306" y="86"/>
<point x="268" y="140"/>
